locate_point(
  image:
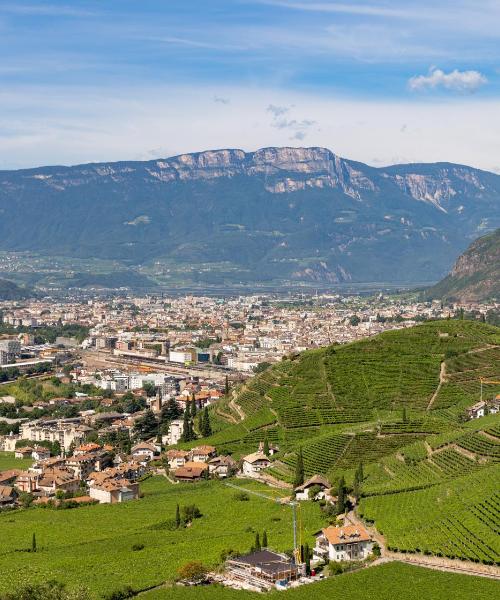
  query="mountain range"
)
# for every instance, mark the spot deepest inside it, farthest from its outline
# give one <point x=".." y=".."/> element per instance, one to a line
<point x="276" y="215"/>
<point x="475" y="276"/>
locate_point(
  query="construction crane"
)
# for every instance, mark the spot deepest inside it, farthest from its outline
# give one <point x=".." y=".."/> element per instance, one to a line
<point x="487" y="381"/>
<point x="297" y="517"/>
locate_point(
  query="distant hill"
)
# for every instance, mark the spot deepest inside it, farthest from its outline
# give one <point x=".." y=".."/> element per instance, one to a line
<point x="476" y="274"/>
<point x="11" y="291"/>
<point x="273" y="216"/>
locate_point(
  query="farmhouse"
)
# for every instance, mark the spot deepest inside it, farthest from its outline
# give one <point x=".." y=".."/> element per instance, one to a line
<point x="8" y="495"/>
<point x="262" y="569"/>
<point x="477" y="410"/>
<point x="24" y="452"/>
<point x="144" y="451"/>
<point x="191" y="471"/>
<point x="176" y="458"/>
<point x="202" y="453"/>
<point x="222" y="466"/>
<point x="254" y="463"/>
<point x="112" y="491"/>
<point x="351" y="542"/>
<point x="58" y="479"/>
<point x="316" y="483"/>
<point x="40" y="453"/>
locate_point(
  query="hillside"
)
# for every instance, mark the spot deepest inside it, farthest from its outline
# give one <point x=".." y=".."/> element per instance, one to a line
<point x="11" y="291"/>
<point x="475" y="277"/>
<point x="272" y="216"/>
<point x="396" y="403"/>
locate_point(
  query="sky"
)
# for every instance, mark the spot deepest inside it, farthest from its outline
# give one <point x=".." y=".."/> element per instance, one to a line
<point x="379" y="81"/>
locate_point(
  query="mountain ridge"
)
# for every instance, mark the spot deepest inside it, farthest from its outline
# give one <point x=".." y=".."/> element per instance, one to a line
<point x="475" y="276"/>
<point x="272" y="215"/>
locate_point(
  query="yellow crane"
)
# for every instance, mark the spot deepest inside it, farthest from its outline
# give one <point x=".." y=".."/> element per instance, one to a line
<point x="487" y="381"/>
<point x="297" y="518"/>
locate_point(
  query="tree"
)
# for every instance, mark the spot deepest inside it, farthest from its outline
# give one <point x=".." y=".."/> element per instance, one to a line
<point x="33" y="543"/>
<point x="266" y="445"/>
<point x="264" y="539"/>
<point x="341" y="496"/>
<point x="170" y="411"/>
<point x="405" y="416"/>
<point x="149" y="388"/>
<point x="146" y="426"/>
<point x="354" y="320"/>
<point x="177" y="517"/>
<point x="193" y="407"/>
<point x="193" y="571"/>
<point x="206" y="427"/>
<point x="299" y="469"/>
<point x="306" y="557"/>
<point x="226" y="387"/>
<point x="257" y="545"/>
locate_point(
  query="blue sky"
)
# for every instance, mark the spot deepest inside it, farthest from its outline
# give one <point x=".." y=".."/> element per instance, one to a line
<point x="379" y="81"/>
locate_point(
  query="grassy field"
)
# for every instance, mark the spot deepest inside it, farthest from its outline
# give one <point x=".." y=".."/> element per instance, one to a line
<point x="384" y="582"/>
<point x="93" y="545"/>
<point x="8" y="461"/>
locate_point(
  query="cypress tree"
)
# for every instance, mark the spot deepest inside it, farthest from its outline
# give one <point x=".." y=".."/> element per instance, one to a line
<point x="200" y="423"/>
<point x="299" y="469"/>
<point x="341" y="496"/>
<point x="33" y="543"/>
<point x="266" y="445"/>
<point x="177" y="517"/>
<point x="405" y="418"/>
<point x="307" y="558"/>
<point x="206" y="430"/>
<point x="257" y="542"/>
<point x="264" y="539"/>
<point x="193" y="406"/>
<point x="226" y="387"/>
<point x="186" y="425"/>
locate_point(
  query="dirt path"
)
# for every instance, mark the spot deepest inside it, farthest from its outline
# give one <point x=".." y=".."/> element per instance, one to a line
<point x="237" y="408"/>
<point x="442" y="378"/>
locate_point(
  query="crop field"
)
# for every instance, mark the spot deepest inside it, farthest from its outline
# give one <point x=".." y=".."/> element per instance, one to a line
<point x="92" y="545"/>
<point x="382" y="582"/>
<point x="457" y="519"/>
<point x="8" y="461"/>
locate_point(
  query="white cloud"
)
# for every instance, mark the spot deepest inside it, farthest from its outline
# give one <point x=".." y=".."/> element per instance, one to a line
<point x="40" y="125"/>
<point x="456" y="81"/>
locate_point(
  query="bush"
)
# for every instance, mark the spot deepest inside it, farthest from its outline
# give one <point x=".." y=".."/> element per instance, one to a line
<point x="376" y="549"/>
<point x="193" y="571"/>
<point x="190" y="512"/>
<point x="242" y="496"/>
<point x="126" y="592"/>
<point x="335" y="568"/>
<point x="137" y="547"/>
<point x="168" y="524"/>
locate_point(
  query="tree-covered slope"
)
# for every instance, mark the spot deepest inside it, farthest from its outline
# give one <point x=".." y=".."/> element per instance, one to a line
<point x="475" y="276"/>
<point x="11" y="291"/>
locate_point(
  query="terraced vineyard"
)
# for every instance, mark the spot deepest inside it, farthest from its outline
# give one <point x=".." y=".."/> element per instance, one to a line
<point x="457" y="519"/>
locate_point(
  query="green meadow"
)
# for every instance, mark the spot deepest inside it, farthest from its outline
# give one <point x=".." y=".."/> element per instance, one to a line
<point x="92" y="545"/>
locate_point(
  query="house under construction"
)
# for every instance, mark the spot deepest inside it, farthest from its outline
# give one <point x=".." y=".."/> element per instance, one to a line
<point x="262" y="569"/>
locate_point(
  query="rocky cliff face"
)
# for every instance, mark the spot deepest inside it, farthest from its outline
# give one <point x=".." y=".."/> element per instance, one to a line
<point x="293" y="213"/>
<point x="475" y="275"/>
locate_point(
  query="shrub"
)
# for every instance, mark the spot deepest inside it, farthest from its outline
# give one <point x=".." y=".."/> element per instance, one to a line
<point x="137" y="547"/>
<point x="242" y="496"/>
<point x="193" y="571"/>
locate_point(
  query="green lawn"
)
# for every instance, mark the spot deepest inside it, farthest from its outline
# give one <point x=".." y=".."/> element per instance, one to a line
<point x="385" y="582"/>
<point x="8" y="461"/>
<point x="92" y="545"/>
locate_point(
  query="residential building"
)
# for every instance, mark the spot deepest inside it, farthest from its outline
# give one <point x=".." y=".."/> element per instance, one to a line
<point x="351" y="542"/>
